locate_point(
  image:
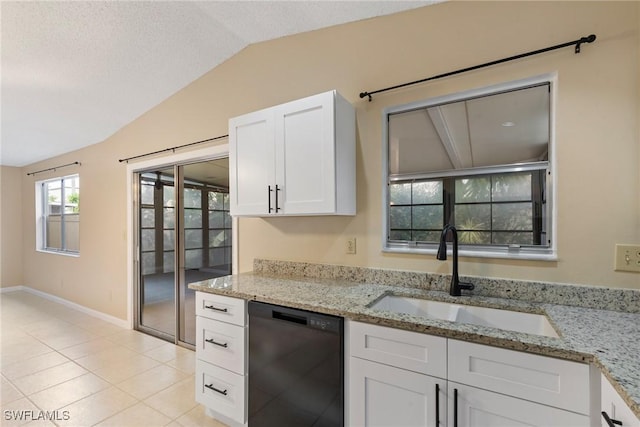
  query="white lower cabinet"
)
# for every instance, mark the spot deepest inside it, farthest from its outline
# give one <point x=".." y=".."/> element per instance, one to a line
<point x="554" y="382"/>
<point x="221" y="391"/>
<point x="397" y="378"/>
<point x="613" y="410"/>
<point x="221" y="357"/>
<point x="383" y="395"/>
<point x="474" y="407"/>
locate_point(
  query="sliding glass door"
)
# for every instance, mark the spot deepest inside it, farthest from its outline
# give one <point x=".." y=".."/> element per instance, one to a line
<point x="184" y="237"/>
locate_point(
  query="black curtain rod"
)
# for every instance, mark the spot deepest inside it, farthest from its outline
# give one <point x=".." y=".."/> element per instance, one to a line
<point x="173" y="148"/>
<point x="589" y="39"/>
<point x="54" y="168"/>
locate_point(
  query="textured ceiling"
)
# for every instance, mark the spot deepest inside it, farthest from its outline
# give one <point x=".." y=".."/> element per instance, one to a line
<point x="74" y="72"/>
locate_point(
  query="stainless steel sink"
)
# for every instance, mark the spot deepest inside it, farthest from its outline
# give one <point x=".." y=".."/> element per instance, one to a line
<point x="517" y="321"/>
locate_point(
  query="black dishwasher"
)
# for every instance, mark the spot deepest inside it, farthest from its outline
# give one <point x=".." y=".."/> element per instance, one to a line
<point x="296" y="367"/>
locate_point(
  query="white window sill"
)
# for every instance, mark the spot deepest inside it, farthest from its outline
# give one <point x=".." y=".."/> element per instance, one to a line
<point x="517" y="255"/>
<point x="63" y="253"/>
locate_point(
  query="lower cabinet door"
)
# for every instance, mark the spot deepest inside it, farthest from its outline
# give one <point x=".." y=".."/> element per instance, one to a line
<point x="381" y="395"/>
<point x="221" y="391"/>
<point x="614" y="408"/>
<point x="473" y="407"/>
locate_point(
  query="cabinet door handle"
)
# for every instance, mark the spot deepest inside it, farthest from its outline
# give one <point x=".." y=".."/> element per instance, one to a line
<point x="437" y="405"/>
<point x="610" y="421"/>
<point x="212" y="341"/>
<point x="277" y="191"/>
<point x="455" y="407"/>
<point x="211" y="307"/>
<point x="211" y="387"/>
<point x="269" y="197"/>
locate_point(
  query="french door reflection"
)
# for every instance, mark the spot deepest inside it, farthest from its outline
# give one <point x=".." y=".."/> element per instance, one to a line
<point x="185" y="237"/>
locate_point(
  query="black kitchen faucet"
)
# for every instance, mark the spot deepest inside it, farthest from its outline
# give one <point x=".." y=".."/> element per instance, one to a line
<point x="456" y="284"/>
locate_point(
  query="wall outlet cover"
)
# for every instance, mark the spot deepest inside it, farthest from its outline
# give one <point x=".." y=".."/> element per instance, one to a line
<point x="351" y="246"/>
<point x="627" y="258"/>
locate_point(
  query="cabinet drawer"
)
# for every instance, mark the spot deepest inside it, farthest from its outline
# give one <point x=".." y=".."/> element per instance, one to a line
<point x="222" y="344"/>
<point x="221" y="390"/>
<point x="404" y="349"/>
<point x="219" y="307"/>
<point x="481" y="408"/>
<point x="559" y="383"/>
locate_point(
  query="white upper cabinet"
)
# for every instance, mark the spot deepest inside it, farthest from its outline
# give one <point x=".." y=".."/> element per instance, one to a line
<point x="296" y="158"/>
<point x="252" y="162"/>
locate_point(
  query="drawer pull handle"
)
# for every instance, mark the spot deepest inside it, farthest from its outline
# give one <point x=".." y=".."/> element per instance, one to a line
<point x="455" y="407"/>
<point x="610" y="421"/>
<point x="212" y="341"/>
<point x="437" y="404"/>
<point x="211" y="387"/>
<point x="211" y="307"/>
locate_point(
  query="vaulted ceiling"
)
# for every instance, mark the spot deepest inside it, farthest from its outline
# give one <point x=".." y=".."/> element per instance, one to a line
<point x="75" y="72"/>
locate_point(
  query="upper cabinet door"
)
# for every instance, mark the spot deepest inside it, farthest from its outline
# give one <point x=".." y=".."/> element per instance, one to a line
<point x="305" y="155"/>
<point x="310" y="167"/>
<point x="252" y="163"/>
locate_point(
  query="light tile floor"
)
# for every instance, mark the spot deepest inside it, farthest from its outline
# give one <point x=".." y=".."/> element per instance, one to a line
<point x="78" y="370"/>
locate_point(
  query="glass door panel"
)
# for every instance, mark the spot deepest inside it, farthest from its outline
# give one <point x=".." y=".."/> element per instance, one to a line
<point x="157" y="243"/>
<point x="205" y="235"/>
<point x="184" y="237"/>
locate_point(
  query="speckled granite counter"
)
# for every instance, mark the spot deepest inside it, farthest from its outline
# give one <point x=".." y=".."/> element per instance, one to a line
<point x="607" y="338"/>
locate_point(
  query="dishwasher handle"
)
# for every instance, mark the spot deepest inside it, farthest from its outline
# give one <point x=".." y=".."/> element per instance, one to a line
<point x="300" y="318"/>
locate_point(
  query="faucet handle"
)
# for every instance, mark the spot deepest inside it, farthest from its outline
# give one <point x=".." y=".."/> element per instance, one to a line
<point x="467" y="286"/>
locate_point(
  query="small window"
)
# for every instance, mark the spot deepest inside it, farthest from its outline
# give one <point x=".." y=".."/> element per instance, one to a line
<point x="58" y="221"/>
<point x="479" y="161"/>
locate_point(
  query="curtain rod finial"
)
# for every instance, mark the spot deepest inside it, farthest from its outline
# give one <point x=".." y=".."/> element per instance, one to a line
<point x="589" y="39"/>
<point x="363" y="94"/>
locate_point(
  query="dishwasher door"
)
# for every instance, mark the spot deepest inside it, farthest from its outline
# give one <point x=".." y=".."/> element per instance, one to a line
<point x="296" y="368"/>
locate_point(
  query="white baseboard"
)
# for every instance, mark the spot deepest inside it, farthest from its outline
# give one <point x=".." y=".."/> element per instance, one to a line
<point x="12" y="289"/>
<point x="100" y="315"/>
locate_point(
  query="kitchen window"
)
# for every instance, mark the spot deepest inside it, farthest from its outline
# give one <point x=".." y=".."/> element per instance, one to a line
<point x="479" y="160"/>
<point x="58" y="215"/>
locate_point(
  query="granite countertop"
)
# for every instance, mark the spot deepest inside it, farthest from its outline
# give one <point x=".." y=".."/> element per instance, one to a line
<point x="607" y="338"/>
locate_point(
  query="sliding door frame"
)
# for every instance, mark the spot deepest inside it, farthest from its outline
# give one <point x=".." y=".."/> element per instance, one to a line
<point x="194" y="156"/>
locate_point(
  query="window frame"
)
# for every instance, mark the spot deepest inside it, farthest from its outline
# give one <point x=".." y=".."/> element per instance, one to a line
<point x="42" y="215"/>
<point x="543" y="253"/>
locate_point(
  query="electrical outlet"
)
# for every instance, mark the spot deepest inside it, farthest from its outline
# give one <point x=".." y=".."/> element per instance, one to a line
<point x="351" y="245"/>
<point x="627" y="258"/>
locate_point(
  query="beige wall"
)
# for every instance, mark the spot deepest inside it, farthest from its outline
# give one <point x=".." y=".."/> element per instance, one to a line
<point x="11" y="223"/>
<point x="597" y="138"/>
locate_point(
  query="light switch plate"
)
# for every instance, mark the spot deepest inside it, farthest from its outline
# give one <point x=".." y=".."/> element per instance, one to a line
<point x="627" y="258"/>
<point x="350" y="247"/>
